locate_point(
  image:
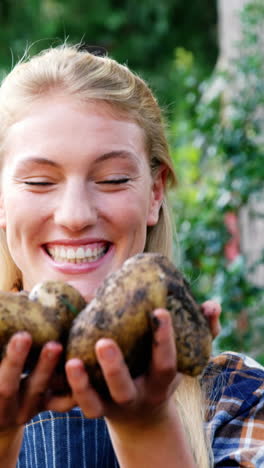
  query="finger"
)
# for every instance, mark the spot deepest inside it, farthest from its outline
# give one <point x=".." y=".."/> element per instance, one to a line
<point x="13" y="363"/>
<point x="37" y="383"/>
<point x="82" y="391"/>
<point x="115" y="371"/>
<point x="48" y="359"/>
<point x="10" y="376"/>
<point x="212" y="310"/>
<point x="163" y="369"/>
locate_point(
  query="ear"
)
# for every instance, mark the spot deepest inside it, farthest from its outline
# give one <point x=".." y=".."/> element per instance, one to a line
<point x="2" y="213"/>
<point x="157" y="195"/>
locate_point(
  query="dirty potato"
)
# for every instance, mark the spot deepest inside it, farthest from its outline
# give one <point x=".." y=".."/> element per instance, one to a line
<point x="60" y="296"/>
<point x="122" y="309"/>
<point x="46" y="313"/>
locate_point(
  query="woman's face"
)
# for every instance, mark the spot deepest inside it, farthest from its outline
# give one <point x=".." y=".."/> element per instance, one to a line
<point x="77" y="194"/>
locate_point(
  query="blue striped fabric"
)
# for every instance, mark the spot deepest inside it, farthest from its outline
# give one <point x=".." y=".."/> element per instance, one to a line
<point x="234" y="387"/>
<point x="66" y="440"/>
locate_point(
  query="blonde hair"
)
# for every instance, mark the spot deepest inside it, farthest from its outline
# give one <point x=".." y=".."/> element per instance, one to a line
<point x="86" y="77"/>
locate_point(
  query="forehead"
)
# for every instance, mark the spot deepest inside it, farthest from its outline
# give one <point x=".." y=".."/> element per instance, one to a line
<point x="53" y="122"/>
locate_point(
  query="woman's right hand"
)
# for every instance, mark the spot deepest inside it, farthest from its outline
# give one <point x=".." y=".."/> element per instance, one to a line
<point x="21" y="399"/>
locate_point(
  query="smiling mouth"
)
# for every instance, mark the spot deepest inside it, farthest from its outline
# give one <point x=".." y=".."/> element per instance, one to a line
<point x="77" y="255"/>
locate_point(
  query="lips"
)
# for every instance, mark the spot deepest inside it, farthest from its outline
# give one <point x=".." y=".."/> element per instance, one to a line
<point x="77" y="254"/>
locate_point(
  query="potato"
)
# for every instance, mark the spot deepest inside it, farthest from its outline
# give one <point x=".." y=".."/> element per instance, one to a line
<point x="60" y="296"/>
<point x="46" y="313"/>
<point x="122" y="309"/>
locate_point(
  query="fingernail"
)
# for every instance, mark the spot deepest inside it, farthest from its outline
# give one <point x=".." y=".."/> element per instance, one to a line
<point x="107" y="353"/>
<point x="51" y="355"/>
<point x="21" y="346"/>
<point x="52" y="350"/>
<point x="76" y="372"/>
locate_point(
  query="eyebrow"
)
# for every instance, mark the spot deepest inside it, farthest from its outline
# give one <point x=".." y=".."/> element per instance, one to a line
<point x="37" y="160"/>
<point x="123" y="154"/>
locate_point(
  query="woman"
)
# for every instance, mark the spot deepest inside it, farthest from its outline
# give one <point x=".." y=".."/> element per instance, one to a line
<point x="85" y="166"/>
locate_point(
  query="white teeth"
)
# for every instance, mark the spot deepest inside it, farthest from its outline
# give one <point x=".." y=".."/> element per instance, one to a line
<point x="70" y="254"/>
<point x="89" y="252"/>
<point x="78" y="255"/>
<point x="63" y="253"/>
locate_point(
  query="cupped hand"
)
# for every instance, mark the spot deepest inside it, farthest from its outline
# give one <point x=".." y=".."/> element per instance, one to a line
<point x="21" y="399"/>
<point x="130" y="398"/>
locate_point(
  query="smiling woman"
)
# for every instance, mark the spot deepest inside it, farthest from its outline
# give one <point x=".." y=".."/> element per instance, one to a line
<point x="116" y="161"/>
<point x="84" y="198"/>
<point x="85" y="168"/>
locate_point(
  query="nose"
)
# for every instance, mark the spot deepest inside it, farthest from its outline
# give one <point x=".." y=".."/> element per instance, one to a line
<point x="76" y="208"/>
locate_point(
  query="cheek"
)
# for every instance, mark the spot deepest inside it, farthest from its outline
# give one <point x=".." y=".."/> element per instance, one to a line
<point x="128" y="212"/>
<point x="23" y="216"/>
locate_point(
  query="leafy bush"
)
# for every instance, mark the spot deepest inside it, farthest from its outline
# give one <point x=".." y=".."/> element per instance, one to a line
<point x="142" y="34"/>
<point x="218" y="155"/>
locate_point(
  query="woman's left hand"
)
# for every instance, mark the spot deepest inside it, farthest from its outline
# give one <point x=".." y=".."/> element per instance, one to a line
<point x="141" y="414"/>
<point x="131" y="397"/>
<point x="142" y="417"/>
<point x="162" y="376"/>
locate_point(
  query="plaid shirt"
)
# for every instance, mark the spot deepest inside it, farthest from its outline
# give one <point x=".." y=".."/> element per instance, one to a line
<point x="235" y="418"/>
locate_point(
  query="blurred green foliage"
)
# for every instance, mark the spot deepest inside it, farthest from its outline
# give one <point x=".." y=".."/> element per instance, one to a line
<point x="142" y="34"/>
<point x="218" y="151"/>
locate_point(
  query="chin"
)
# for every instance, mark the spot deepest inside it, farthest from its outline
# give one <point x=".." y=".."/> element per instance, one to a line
<point x="82" y="288"/>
